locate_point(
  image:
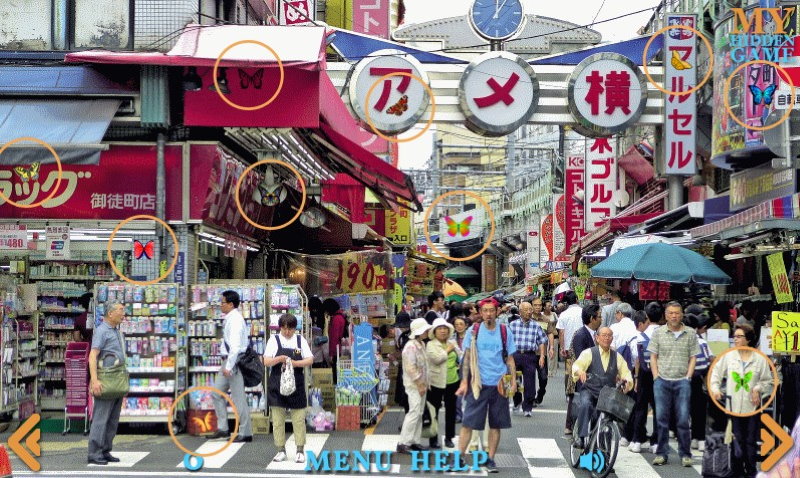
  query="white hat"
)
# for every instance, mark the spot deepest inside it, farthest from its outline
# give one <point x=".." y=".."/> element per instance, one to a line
<point x="418" y="327"/>
<point x="439" y="322"/>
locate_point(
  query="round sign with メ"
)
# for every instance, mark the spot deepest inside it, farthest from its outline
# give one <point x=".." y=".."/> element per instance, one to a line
<point x="498" y="93"/>
<point x="606" y="93"/>
<point x="399" y="101"/>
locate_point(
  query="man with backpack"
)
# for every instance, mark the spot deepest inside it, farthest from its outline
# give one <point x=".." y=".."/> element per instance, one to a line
<point x="482" y="381"/>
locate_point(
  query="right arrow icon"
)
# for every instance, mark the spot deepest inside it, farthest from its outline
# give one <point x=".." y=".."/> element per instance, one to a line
<point x="772" y="455"/>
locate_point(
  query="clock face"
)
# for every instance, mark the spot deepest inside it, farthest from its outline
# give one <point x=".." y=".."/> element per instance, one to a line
<point x="496" y="19"/>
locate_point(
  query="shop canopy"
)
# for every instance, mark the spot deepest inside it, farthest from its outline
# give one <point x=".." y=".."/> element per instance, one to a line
<point x="460" y="272"/>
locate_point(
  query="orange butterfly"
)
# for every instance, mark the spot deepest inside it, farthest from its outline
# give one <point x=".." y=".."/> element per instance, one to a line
<point x="400" y="107"/>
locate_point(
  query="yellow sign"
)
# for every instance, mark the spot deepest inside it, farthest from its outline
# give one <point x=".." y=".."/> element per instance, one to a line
<point x="398" y="227"/>
<point x="785" y="332"/>
<point x="780" y="281"/>
<point x="357" y="273"/>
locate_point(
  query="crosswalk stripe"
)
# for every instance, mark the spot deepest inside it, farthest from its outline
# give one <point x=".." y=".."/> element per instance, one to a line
<point x="314" y="443"/>
<point x="633" y="465"/>
<point x="127" y="459"/>
<point x="534" y="449"/>
<point x="380" y="443"/>
<point x="218" y="460"/>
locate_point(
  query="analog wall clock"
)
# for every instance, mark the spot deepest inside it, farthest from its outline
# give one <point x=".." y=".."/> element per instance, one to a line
<point x="313" y="217"/>
<point x="497" y="20"/>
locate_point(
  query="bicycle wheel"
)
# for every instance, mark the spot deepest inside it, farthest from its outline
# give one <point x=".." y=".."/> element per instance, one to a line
<point x="574" y="452"/>
<point x="606" y="442"/>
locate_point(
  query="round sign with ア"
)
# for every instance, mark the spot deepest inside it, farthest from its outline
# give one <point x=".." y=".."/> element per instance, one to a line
<point x="398" y="102"/>
<point x="606" y="93"/>
<point x="498" y="93"/>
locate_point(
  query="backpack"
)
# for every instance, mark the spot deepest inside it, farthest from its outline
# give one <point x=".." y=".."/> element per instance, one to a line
<point x="250" y="365"/>
<point x="644" y="354"/>
<point x="717" y="457"/>
<point x="626" y="351"/>
<point x="503" y="337"/>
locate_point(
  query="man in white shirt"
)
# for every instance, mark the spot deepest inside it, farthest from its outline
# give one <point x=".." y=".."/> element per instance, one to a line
<point x="610" y="309"/>
<point x="624" y="329"/>
<point x="235" y="342"/>
<point x="569" y="322"/>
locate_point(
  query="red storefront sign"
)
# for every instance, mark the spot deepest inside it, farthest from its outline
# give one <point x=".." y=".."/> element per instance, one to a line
<point x="573" y="185"/>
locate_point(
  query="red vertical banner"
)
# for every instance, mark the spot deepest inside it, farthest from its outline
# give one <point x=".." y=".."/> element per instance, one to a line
<point x="574" y="190"/>
<point x="559" y="229"/>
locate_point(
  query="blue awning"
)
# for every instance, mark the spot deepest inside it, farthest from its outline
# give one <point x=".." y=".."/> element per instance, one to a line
<point x="355" y="46"/>
<point x="58" y="80"/>
<point x="632" y="49"/>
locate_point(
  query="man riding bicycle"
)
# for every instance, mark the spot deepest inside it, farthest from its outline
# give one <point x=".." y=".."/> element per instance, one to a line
<point x="596" y="368"/>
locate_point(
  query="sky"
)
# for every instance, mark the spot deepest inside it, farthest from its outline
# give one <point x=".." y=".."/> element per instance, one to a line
<point x="414" y="154"/>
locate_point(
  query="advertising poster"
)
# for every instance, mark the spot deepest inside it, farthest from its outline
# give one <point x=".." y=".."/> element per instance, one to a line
<point x="57" y="242"/>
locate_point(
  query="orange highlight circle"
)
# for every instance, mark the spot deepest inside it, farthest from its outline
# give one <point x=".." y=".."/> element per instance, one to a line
<point x="274" y="95"/>
<point x="58" y="165"/>
<point x="123" y="276"/>
<point x="726" y="100"/>
<point x="239" y="201"/>
<point x="172" y="414"/>
<point x="710" y="64"/>
<point x="482" y="203"/>
<point x="427" y="124"/>
<point x="775" y="383"/>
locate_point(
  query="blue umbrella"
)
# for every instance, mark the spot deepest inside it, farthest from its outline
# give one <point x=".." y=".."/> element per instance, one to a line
<point x="660" y="262"/>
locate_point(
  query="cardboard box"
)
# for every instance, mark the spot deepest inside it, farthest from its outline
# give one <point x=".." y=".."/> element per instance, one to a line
<point x="348" y="418"/>
<point x="260" y="423"/>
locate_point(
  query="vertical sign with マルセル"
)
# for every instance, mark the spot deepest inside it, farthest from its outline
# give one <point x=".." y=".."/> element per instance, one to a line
<point x="785" y="332"/>
<point x="680" y="70"/>
<point x="780" y="281"/>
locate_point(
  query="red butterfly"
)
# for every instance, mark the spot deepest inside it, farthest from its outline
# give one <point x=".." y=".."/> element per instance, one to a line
<point x="140" y="249"/>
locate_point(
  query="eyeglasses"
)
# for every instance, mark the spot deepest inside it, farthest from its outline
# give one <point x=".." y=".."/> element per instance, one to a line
<point x="738" y="336"/>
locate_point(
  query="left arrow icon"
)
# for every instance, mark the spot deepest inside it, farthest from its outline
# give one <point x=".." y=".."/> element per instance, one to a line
<point x="32" y="442"/>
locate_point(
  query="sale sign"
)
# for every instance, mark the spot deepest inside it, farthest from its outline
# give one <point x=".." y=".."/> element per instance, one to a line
<point x="785" y="332"/>
<point x="14" y="237"/>
<point x="681" y="111"/>
<point x="780" y="281"/>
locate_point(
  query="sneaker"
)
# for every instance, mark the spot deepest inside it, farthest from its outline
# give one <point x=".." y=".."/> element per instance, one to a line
<point x="635" y="447"/>
<point x="448" y="443"/>
<point x="528" y="414"/>
<point x="300" y="458"/>
<point x="568" y="431"/>
<point x="659" y="460"/>
<point x="281" y="456"/>
<point x="623" y="442"/>
<point x="687" y="461"/>
<point x="694" y="445"/>
<point x="654" y="449"/>
<point x="491" y="467"/>
<point x="403" y="449"/>
<point x="701" y="445"/>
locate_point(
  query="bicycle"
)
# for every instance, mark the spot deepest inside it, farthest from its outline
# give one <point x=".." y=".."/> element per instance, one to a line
<point x="613" y="406"/>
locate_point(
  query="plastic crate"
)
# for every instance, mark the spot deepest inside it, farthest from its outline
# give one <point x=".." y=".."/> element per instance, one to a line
<point x="615" y="403"/>
<point x="348" y="418"/>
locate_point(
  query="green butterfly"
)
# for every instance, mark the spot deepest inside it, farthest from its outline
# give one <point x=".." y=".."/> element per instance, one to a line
<point x="742" y="382"/>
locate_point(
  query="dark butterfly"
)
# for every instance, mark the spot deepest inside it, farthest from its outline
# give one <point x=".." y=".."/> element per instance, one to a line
<point x="256" y="79"/>
<point x="147" y="249"/>
<point x="400" y="107"/>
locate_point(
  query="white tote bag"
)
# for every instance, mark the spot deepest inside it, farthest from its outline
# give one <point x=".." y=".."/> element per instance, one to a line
<point x="288" y="386"/>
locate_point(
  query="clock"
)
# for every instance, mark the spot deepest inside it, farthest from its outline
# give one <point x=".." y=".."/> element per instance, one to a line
<point x="496" y="20"/>
<point x="313" y="217"/>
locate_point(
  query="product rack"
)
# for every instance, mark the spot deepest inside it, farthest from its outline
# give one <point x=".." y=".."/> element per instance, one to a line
<point x="18" y="383"/>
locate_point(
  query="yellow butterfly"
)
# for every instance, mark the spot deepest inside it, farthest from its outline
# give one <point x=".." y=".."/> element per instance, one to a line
<point x="679" y="64"/>
<point x="31" y="173"/>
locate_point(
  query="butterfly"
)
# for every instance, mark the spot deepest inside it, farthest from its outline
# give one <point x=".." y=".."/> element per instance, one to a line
<point x="400" y="107"/>
<point x="256" y="79"/>
<point x="679" y="64"/>
<point x="31" y="173"/>
<point x="453" y="228"/>
<point x="271" y="194"/>
<point x="742" y="382"/>
<point x="147" y="250"/>
<point x="762" y="96"/>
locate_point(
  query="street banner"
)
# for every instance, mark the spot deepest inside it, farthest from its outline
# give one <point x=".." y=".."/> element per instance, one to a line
<point x="57" y="243"/>
<point x="559" y="227"/>
<point x="780" y="281"/>
<point x="371" y="17"/>
<point x="785" y="332"/>
<point x="13" y="237"/>
<point x="532" y="267"/>
<point x="574" y="184"/>
<point x="601" y="182"/>
<point x="546" y="236"/>
<point x="680" y="71"/>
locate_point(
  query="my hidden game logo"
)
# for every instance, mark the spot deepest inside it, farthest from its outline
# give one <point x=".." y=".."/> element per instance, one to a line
<point x="761" y="35"/>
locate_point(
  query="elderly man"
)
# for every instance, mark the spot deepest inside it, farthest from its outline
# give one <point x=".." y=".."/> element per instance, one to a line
<point x="597" y="367"/>
<point x="610" y="309"/>
<point x="531" y="341"/>
<point x="107" y="349"/>
<point x="569" y="323"/>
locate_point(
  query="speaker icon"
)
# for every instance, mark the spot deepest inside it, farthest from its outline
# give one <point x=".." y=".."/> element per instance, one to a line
<point x="592" y="461"/>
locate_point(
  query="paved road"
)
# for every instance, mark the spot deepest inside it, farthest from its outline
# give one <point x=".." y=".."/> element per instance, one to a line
<point x="534" y="447"/>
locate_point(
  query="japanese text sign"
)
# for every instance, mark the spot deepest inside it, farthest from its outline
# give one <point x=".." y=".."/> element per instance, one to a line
<point x="606" y="93"/>
<point x="371" y="17"/>
<point x="14" y="236"/>
<point x="601" y="182"/>
<point x="398" y="227"/>
<point x="57" y="242"/>
<point x="297" y="12"/>
<point x="680" y="110"/>
<point x="780" y="281"/>
<point x="559" y="221"/>
<point x="573" y="184"/>
<point x="785" y="332"/>
<point x="756" y="185"/>
<point x="532" y="261"/>
<point x="498" y="93"/>
<point x="359" y="273"/>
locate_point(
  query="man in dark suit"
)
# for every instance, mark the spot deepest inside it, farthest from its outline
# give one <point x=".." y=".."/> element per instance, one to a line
<point x="584" y="338"/>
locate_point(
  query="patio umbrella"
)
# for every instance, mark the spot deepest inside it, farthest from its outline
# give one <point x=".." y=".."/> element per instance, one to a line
<point x="460" y="272"/>
<point x="660" y="262"/>
<point x="452" y="287"/>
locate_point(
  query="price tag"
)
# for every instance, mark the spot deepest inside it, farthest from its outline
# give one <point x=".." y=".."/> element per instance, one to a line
<point x="13" y="236"/>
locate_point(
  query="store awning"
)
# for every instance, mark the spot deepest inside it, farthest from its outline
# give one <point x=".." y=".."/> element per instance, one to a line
<point x="355" y="46"/>
<point x="632" y="49"/>
<point x="460" y="272"/>
<point x="636" y="166"/>
<point x="781" y="213"/>
<point x="73" y="127"/>
<point x="594" y="239"/>
<point x="71" y="80"/>
<point x="477" y="297"/>
<point x="685" y="216"/>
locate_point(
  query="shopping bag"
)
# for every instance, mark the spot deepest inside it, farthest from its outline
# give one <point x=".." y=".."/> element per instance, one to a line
<point x="288" y="386"/>
<point x="430" y="426"/>
<point x="717" y="457"/>
<point x="115" y="381"/>
<point x="252" y="368"/>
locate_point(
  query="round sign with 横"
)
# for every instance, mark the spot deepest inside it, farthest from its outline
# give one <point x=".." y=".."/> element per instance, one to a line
<point x="498" y="93"/>
<point x="397" y="102"/>
<point x="606" y="93"/>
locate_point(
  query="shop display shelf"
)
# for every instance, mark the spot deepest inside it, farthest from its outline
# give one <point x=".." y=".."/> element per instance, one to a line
<point x="54" y="343"/>
<point x="61" y="310"/>
<point x="198" y="369"/>
<point x="161" y="417"/>
<point x="52" y="379"/>
<point x="151" y="390"/>
<point x="28" y="355"/>
<point x="59" y="327"/>
<point x="91" y="278"/>
<point x="53" y="403"/>
<point x="25" y="377"/>
<point x="151" y="369"/>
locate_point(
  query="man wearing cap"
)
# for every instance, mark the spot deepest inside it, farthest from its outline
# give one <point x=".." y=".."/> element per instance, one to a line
<point x="486" y="360"/>
<point x="415" y="378"/>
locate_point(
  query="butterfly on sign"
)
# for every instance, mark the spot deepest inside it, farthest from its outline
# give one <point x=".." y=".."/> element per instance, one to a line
<point x="762" y="96"/>
<point x="271" y="194"/>
<point x="30" y="173"/>
<point x="256" y="79"/>
<point x="147" y="249"/>
<point x="400" y="107"/>
<point x="454" y="228"/>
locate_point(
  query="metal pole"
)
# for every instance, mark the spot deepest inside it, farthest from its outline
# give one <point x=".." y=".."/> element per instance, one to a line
<point x="511" y="153"/>
<point x="161" y="196"/>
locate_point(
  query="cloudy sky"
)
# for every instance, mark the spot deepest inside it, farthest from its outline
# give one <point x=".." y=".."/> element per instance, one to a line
<point x="581" y="12"/>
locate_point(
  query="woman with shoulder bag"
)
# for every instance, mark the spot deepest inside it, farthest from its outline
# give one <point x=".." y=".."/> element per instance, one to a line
<point x="287" y="349"/>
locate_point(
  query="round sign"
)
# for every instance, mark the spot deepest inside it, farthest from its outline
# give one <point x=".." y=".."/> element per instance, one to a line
<point x="498" y="93"/>
<point x="606" y="93"/>
<point x="399" y="101"/>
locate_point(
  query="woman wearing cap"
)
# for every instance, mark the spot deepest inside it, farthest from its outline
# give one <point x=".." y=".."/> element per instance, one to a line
<point x="415" y="377"/>
<point x="443" y="371"/>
